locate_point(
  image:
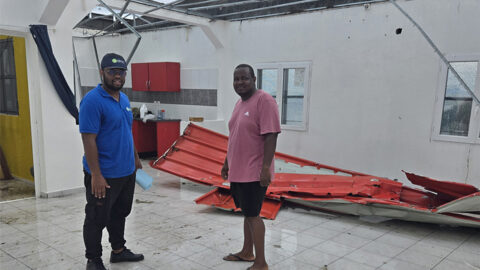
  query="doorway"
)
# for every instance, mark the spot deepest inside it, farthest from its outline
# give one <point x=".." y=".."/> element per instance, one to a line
<point x="15" y="128"/>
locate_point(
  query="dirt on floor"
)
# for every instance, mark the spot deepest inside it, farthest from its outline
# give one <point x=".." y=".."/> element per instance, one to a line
<point x="16" y="189"/>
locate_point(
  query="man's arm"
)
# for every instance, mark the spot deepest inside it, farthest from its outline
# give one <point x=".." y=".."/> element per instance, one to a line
<point x="91" y="154"/>
<point x="269" y="146"/>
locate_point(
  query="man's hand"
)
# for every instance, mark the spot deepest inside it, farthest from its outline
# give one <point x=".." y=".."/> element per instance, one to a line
<point x="138" y="164"/>
<point x="265" y="177"/>
<point x="224" y="171"/>
<point x="91" y="154"/>
<point x="99" y="186"/>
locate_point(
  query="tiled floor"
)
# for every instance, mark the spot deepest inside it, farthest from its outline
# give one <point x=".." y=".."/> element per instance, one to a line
<point x="175" y="233"/>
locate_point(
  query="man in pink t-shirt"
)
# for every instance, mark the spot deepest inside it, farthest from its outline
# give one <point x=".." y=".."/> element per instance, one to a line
<point x="253" y="127"/>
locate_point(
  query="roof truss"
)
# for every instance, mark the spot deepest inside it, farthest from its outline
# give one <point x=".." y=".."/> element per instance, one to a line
<point x="151" y="15"/>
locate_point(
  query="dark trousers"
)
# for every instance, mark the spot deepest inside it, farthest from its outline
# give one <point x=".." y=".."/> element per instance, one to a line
<point x="109" y="212"/>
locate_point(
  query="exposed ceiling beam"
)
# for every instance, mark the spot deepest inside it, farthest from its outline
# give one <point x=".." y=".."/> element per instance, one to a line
<point x="143" y="19"/>
<point x="143" y="26"/>
<point x="139" y="37"/>
<point x="197" y="3"/>
<point x="140" y="9"/>
<point x="115" y="22"/>
<point x="157" y="6"/>
<point x="238" y="3"/>
<point x="262" y="16"/>
<point x="347" y="4"/>
<point x="92" y="19"/>
<point x="266" y="8"/>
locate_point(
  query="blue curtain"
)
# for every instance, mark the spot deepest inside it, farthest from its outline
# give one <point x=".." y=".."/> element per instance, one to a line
<point x="40" y="35"/>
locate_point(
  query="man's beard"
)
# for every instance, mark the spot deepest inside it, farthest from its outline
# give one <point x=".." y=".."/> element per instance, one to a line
<point x="111" y="86"/>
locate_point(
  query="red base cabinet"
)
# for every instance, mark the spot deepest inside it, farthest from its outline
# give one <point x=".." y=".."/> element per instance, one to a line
<point x="155" y="135"/>
<point x="157" y="76"/>
<point x="144" y="136"/>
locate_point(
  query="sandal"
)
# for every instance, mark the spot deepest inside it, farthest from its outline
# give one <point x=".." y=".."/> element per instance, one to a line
<point x="236" y="258"/>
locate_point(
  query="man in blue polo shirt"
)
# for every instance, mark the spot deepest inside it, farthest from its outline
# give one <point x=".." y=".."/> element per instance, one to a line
<point x="110" y="163"/>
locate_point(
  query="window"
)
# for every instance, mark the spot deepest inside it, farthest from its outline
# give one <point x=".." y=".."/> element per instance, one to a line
<point x="288" y="84"/>
<point x="457" y="114"/>
<point x="8" y="78"/>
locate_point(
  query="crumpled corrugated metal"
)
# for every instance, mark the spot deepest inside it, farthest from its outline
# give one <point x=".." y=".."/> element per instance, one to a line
<point x="198" y="155"/>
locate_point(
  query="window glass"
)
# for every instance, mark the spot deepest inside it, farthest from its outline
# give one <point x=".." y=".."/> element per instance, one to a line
<point x="293" y="96"/>
<point x="268" y="80"/>
<point x="468" y="73"/>
<point x="287" y="83"/>
<point x="8" y="81"/>
<point x="457" y="104"/>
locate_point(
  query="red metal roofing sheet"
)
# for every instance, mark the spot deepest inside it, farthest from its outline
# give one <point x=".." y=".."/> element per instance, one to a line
<point x="198" y="155"/>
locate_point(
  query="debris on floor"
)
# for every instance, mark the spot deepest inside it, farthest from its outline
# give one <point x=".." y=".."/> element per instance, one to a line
<point x="8" y="220"/>
<point x="15" y="189"/>
<point x="142" y="201"/>
<point x="199" y="153"/>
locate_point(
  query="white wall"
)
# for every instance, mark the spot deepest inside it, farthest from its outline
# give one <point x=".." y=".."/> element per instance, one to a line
<point x="57" y="148"/>
<point x="372" y="92"/>
<point x="182" y="112"/>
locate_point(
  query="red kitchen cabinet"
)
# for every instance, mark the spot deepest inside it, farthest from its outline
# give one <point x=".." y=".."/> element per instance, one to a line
<point x="157" y="76"/>
<point x="144" y="136"/>
<point x="140" y="76"/>
<point x="155" y="135"/>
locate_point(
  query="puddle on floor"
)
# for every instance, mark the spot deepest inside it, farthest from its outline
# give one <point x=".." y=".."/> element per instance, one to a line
<point x="16" y="189"/>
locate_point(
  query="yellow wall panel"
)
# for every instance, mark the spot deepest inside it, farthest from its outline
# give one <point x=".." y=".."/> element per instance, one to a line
<point x="15" y="132"/>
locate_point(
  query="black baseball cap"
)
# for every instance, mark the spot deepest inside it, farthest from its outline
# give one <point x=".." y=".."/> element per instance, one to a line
<point x="113" y="60"/>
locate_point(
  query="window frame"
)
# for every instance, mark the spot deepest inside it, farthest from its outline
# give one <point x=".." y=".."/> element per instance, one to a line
<point x="3" y="78"/>
<point x="474" y="124"/>
<point x="280" y="66"/>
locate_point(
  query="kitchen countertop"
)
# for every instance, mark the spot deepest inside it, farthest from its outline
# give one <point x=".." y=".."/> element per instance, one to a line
<point x="158" y="120"/>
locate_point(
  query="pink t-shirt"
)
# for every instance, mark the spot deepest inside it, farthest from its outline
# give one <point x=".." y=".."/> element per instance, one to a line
<point x="251" y="119"/>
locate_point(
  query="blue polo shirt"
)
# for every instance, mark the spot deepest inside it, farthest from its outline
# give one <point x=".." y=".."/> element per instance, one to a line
<point x="112" y="121"/>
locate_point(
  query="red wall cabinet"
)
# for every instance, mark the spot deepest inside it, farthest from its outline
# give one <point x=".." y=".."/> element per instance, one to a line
<point x="140" y="77"/>
<point x="158" y="76"/>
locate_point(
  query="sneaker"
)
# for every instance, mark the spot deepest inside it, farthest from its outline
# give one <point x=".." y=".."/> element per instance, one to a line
<point x="125" y="256"/>
<point x="95" y="264"/>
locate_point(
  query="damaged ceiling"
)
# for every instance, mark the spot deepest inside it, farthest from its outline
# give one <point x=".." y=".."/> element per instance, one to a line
<point x="214" y="10"/>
